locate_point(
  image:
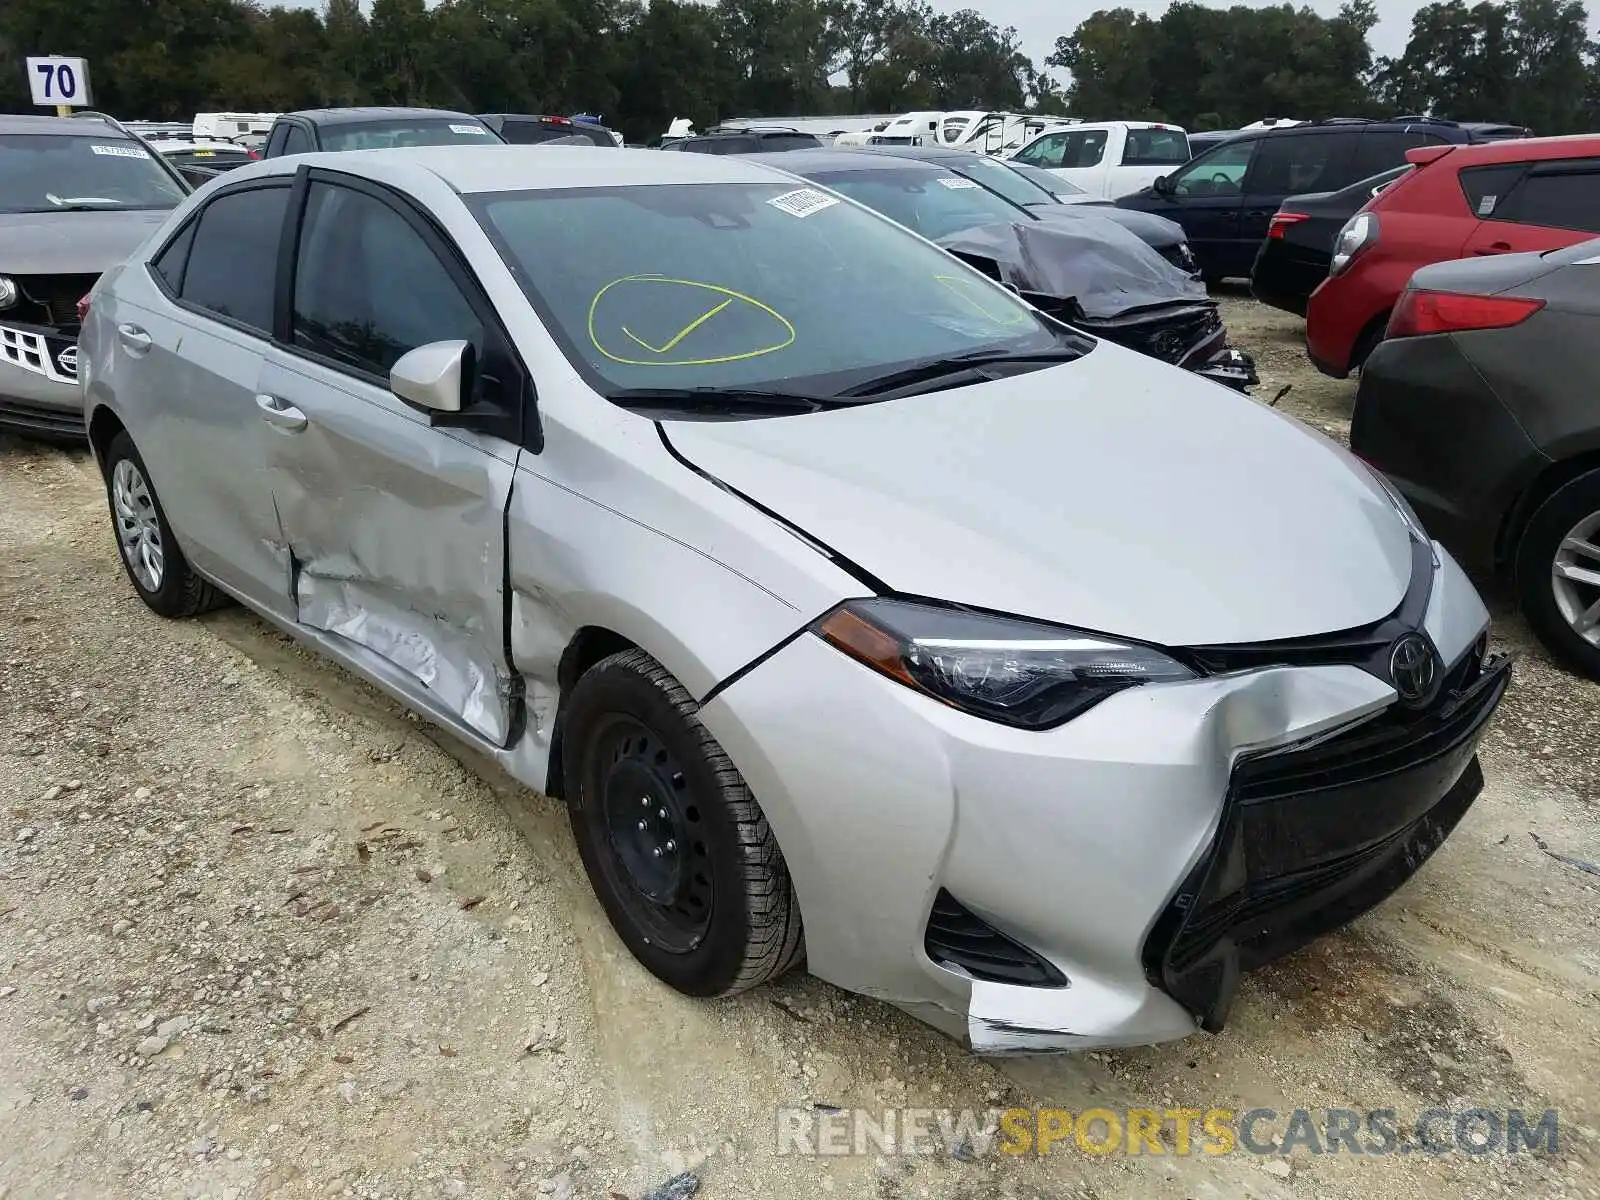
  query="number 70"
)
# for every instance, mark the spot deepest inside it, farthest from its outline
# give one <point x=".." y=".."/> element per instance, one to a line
<point x="60" y="81"/>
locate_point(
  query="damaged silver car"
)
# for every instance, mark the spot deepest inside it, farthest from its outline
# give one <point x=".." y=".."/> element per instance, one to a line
<point x="77" y="195"/>
<point x="861" y="614"/>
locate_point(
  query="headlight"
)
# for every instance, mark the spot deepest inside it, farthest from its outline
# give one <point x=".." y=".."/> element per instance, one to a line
<point x="1186" y="257"/>
<point x="8" y="292"/>
<point x="1016" y="672"/>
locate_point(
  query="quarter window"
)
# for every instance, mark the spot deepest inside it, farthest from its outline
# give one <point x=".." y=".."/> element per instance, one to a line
<point x="233" y="261"/>
<point x="1486" y="187"/>
<point x="368" y="288"/>
<point x="170" y="263"/>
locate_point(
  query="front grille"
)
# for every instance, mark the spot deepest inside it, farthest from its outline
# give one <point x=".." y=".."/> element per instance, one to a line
<point x="959" y="938"/>
<point x="1168" y="337"/>
<point x="53" y="299"/>
<point x="56" y="359"/>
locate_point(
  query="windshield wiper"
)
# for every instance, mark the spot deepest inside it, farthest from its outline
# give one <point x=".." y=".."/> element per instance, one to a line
<point x="957" y="364"/>
<point x="722" y="399"/>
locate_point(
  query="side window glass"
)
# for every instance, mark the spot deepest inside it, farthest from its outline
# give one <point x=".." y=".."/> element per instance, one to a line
<point x="298" y="141"/>
<point x="1380" y="149"/>
<point x="1556" y="200"/>
<point x="1290" y="164"/>
<point x="1084" y="149"/>
<point x="1218" y="172"/>
<point x="1486" y="188"/>
<point x="368" y="288"/>
<point x="170" y="262"/>
<point x="233" y="260"/>
<point x="1046" y="152"/>
<point x="1155" y="148"/>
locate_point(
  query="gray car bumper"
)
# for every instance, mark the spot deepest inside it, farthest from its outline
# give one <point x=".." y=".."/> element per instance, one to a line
<point x="39" y="392"/>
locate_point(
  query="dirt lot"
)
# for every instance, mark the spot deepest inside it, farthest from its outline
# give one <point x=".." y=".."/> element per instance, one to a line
<point x="263" y="933"/>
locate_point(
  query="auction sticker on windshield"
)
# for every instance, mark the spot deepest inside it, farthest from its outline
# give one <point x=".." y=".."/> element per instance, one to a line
<point x="956" y="181"/>
<point x="467" y="129"/>
<point x="119" y="151"/>
<point x="802" y="202"/>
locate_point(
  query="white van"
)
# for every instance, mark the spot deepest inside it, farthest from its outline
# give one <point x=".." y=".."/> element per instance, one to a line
<point x="911" y="129"/>
<point x="1109" y="158"/>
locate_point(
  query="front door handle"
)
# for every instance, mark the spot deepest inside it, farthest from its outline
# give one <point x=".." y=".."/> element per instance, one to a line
<point x="281" y="413"/>
<point x="1495" y="248"/>
<point x="134" y="338"/>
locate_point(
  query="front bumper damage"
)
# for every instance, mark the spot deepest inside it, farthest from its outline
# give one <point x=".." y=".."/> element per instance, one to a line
<point x="1190" y="336"/>
<point x="1105" y="883"/>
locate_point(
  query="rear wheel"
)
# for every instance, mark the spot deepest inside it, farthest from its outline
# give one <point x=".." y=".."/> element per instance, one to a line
<point x="1558" y="574"/>
<point x="1368" y="342"/>
<point x="676" y="847"/>
<point x="150" y="554"/>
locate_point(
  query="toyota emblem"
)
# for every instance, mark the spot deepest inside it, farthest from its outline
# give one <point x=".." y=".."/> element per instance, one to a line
<point x="67" y="361"/>
<point x="1413" y="667"/>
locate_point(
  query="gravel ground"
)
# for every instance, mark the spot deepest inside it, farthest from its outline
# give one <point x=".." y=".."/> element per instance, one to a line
<point x="264" y="933"/>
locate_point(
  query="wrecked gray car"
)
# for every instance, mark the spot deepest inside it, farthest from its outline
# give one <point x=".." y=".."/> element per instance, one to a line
<point x="77" y="196"/>
<point x="1091" y="273"/>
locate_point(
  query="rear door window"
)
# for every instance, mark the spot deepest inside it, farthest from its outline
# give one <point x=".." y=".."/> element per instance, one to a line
<point x="1555" y="196"/>
<point x="1381" y="150"/>
<point x="1288" y="164"/>
<point x="1156" y="148"/>
<point x="233" y="261"/>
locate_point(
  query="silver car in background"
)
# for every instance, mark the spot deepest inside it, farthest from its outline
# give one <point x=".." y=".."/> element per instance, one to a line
<point x="860" y="614"/>
<point x="76" y="196"/>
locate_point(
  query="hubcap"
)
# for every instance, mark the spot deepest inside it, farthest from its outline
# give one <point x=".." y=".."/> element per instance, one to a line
<point x="138" y="530"/>
<point x="1575" y="578"/>
<point x="653" y="829"/>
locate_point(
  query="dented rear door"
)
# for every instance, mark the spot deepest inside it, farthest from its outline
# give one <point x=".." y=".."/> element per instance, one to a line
<point x="396" y="528"/>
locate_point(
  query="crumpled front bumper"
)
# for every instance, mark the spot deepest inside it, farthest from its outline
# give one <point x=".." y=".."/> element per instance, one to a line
<point x="920" y="839"/>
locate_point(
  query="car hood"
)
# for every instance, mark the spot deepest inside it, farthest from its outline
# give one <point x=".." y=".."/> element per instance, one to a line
<point x="72" y="243"/>
<point x="1149" y="228"/>
<point x="1105" y="268"/>
<point x="1113" y="493"/>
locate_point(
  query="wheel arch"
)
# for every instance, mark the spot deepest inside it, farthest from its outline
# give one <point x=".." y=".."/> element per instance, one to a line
<point x="1546" y="483"/>
<point x="588" y="645"/>
<point x="103" y="426"/>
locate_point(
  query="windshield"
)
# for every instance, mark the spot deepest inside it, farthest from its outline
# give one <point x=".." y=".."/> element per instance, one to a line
<point x="50" y="172"/>
<point x="381" y="135"/>
<point x="1008" y="181"/>
<point x="762" y="286"/>
<point x="933" y="203"/>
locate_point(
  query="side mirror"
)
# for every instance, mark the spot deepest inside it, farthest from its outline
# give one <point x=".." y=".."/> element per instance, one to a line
<point x="1162" y="185"/>
<point x="433" y="376"/>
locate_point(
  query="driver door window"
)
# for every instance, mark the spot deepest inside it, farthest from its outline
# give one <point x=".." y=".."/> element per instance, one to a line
<point x="1217" y="173"/>
<point x="1047" y="152"/>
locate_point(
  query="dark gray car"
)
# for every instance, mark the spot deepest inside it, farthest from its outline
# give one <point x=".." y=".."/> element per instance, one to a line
<point x="314" y="129"/>
<point x="1008" y="180"/>
<point x="77" y="196"/>
<point x="1474" y="405"/>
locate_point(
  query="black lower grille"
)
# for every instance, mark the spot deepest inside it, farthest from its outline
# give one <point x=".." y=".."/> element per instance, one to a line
<point x="53" y="299"/>
<point x="1314" y="836"/>
<point x="957" y="937"/>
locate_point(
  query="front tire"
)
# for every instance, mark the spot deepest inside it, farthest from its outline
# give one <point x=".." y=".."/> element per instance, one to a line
<point x="1558" y="574"/>
<point x="150" y="555"/>
<point x="675" y="846"/>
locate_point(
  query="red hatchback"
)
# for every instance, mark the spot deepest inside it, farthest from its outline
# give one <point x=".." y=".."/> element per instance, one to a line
<point x="1458" y="201"/>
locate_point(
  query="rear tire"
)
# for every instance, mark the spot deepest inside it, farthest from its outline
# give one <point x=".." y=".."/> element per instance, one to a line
<point x="675" y="846"/>
<point x="1555" y="604"/>
<point x="150" y="555"/>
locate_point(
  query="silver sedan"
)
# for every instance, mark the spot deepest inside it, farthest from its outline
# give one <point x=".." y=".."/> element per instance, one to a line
<point x="1043" y="686"/>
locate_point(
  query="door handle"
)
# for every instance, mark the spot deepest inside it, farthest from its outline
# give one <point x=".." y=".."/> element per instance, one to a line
<point x="134" y="338"/>
<point x="281" y="413"/>
<point x="1495" y="248"/>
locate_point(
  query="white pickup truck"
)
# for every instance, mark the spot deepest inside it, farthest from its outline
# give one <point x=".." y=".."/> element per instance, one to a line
<point x="1109" y="158"/>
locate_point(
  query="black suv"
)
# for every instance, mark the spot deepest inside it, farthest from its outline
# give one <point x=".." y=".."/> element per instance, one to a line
<point x="1225" y="197"/>
<point x="747" y="141"/>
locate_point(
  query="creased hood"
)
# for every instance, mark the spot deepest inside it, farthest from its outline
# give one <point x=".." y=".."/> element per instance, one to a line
<point x="1113" y="493"/>
<point x="72" y="243"/>
<point x="1107" y="269"/>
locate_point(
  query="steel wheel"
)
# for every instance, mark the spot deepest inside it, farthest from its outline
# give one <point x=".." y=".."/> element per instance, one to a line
<point x="1575" y="578"/>
<point x="651" y="828"/>
<point x="138" y="527"/>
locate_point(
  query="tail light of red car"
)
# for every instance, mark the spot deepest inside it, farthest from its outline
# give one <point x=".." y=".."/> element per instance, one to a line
<point x="1359" y="232"/>
<point x="83" y="308"/>
<point x="1280" y="223"/>
<point x="1421" y="312"/>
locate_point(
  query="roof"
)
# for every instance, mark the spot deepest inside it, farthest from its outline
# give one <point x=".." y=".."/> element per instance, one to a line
<point x="360" y="116"/>
<point x="1575" y="145"/>
<point x="81" y="126"/>
<point x="501" y="168"/>
<point x="803" y="162"/>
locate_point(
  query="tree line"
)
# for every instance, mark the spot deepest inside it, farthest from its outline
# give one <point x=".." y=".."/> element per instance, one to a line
<point x="641" y="63"/>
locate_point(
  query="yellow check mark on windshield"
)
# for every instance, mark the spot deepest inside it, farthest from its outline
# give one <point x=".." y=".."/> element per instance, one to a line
<point x="682" y="333"/>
